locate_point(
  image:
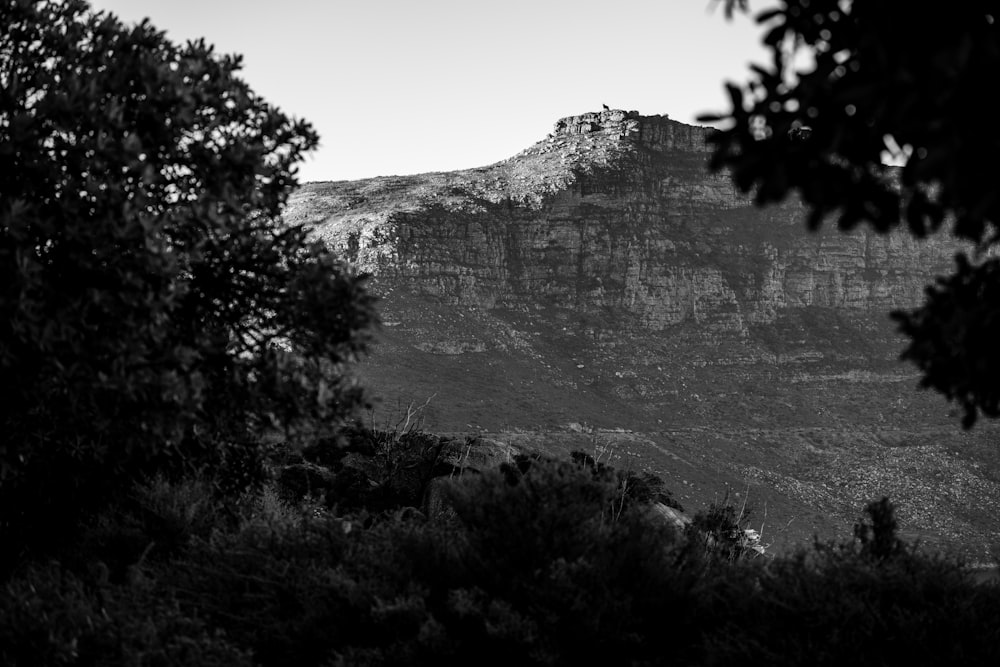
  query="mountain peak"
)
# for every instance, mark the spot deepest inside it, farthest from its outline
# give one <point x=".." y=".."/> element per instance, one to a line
<point x="594" y="133"/>
<point x="602" y="275"/>
<point x="625" y="122"/>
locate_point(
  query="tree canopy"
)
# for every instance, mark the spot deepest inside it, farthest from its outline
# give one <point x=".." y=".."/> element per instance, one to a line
<point x="154" y="310"/>
<point x="880" y="113"/>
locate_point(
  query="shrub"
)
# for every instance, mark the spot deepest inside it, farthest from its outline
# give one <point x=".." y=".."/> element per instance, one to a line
<point x="48" y="616"/>
<point x="561" y="569"/>
<point x="363" y="468"/>
<point x="157" y="520"/>
<point x="872" y="601"/>
<point x="635" y="487"/>
<point x="276" y="583"/>
<point x="879" y="539"/>
<point x="539" y="564"/>
<point x="725" y="533"/>
<point x="549" y="566"/>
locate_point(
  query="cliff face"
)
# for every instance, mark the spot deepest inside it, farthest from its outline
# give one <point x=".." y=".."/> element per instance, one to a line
<point x="613" y="225"/>
<point x="602" y="279"/>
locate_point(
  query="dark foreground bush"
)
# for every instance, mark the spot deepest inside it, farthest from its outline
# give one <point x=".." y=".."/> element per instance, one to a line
<point x="49" y="616"/>
<point x="537" y="564"/>
<point x="543" y="567"/>
<point x="873" y="601"/>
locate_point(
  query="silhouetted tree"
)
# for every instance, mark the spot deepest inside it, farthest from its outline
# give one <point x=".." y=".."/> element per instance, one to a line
<point x="853" y="83"/>
<point x="154" y="311"/>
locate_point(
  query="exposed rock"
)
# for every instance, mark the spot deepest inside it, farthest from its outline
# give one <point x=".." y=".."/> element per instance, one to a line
<point x="610" y="242"/>
<point x="602" y="276"/>
<point x="386" y="470"/>
<point x="479" y="454"/>
<point x="628" y="220"/>
<point x="670" y="515"/>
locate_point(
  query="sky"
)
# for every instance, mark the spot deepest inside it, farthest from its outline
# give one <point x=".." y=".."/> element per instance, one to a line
<point x="409" y="86"/>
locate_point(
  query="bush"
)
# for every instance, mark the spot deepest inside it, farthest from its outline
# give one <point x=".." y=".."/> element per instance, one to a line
<point x="156" y="521"/>
<point x="382" y="470"/>
<point x="547" y="566"/>
<point x="565" y="568"/>
<point x="725" y="533"/>
<point x="539" y="564"/>
<point x="873" y="601"/>
<point x="48" y="616"/>
<point x="155" y="316"/>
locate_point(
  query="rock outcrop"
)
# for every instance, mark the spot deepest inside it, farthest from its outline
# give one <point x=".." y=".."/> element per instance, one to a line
<point x="613" y="228"/>
<point x="604" y="277"/>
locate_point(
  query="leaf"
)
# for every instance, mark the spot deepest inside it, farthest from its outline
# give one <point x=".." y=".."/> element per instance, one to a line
<point x="768" y="14"/>
<point x="710" y="118"/>
<point x="735" y="96"/>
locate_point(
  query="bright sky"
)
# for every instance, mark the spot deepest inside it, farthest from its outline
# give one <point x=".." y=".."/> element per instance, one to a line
<point x="410" y="86"/>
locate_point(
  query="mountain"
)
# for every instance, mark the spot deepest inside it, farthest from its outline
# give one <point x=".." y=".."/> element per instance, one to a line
<point x="602" y="291"/>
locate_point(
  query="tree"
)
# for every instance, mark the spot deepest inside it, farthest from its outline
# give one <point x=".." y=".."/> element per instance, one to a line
<point x="851" y="84"/>
<point x="155" y="313"/>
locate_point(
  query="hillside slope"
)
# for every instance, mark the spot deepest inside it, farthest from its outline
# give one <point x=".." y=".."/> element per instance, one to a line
<point x="600" y="290"/>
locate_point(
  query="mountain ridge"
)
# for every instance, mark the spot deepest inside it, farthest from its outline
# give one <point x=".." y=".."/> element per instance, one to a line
<point x="603" y="277"/>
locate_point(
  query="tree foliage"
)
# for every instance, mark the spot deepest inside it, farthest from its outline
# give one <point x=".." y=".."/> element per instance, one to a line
<point x="854" y="85"/>
<point x="154" y="310"/>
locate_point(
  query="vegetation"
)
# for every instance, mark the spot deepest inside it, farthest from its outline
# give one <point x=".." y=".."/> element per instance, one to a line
<point x="180" y="482"/>
<point x="154" y="317"/>
<point x="540" y="562"/>
<point x="883" y="84"/>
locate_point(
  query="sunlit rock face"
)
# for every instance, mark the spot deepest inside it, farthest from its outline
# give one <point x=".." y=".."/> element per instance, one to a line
<point x="612" y="228"/>
<point x="602" y="291"/>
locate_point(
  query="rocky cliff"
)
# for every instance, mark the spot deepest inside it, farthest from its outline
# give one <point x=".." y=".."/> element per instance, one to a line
<point x="602" y="282"/>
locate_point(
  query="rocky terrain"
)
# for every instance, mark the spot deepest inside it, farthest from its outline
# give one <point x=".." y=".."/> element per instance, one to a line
<point x="601" y="291"/>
